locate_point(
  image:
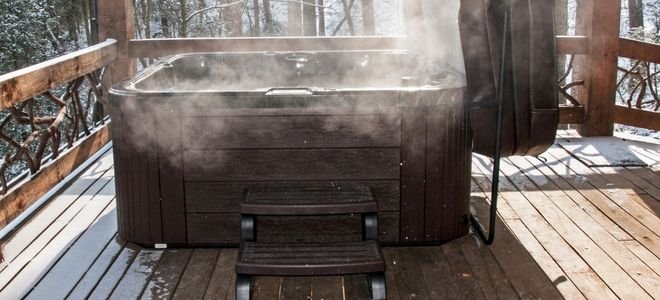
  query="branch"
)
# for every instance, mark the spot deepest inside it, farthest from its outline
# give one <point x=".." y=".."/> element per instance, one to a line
<point x="221" y="6"/>
<point x="344" y="19"/>
<point x="348" y="16"/>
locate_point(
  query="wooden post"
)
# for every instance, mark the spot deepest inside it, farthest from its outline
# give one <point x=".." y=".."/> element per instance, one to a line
<point x="115" y="20"/>
<point x="600" y="22"/>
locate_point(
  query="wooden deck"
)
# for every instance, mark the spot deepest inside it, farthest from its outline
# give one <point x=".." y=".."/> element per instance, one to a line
<point x="564" y="230"/>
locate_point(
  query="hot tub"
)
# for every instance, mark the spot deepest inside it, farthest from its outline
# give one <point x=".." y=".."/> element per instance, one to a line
<point x="192" y="132"/>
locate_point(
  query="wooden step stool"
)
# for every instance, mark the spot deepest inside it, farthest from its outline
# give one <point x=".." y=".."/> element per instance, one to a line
<point x="307" y="259"/>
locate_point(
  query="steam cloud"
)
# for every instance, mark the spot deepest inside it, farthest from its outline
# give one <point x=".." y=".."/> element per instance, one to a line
<point x="435" y="61"/>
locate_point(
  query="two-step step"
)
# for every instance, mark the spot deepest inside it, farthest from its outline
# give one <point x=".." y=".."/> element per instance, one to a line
<point x="307" y="259"/>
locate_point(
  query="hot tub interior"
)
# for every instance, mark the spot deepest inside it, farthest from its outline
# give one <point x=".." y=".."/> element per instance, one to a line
<point x="253" y="71"/>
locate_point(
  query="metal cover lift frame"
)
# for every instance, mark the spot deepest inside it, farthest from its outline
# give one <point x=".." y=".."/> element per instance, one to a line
<point x="489" y="236"/>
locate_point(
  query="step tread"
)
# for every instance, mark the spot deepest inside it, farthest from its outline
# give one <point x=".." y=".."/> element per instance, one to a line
<point x="273" y="259"/>
<point x="308" y="199"/>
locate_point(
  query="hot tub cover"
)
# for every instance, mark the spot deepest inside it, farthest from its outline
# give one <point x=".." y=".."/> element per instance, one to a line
<point x="530" y="104"/>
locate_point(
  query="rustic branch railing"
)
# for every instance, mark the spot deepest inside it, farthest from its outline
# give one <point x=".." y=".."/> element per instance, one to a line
<point x="573" y="111"/>
<point x="47" y="108"/>
<point x="639" y="77"/>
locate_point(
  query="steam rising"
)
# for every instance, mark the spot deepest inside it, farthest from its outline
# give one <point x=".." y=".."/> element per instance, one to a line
<point x="443" y="38"/>
<point x="369" y="83"/>
<point x="314" y="71"/>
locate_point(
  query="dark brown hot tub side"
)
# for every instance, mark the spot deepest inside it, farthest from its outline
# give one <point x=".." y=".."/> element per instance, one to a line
<point x="184" y="158"/>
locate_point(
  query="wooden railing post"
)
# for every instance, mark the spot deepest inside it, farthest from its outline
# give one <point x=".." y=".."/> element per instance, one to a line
<point x="599" y="21"/>
<point x="115" y="20"/>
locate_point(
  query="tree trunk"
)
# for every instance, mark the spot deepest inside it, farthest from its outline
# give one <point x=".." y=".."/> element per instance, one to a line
<point x="369" y="26"/>
<point x="349" y="17"/>
<point x="561" y="27"/>
<point x="93" y="22"/>
<point x="87" y="18"/>
<point x="636" y="13"/>
<point x="201" y="26"/>
<point x="268" y="17"/>
<point x="309" y="17"/>
<point x="164" y="21"/>
<point x="143" y="17"/>
<point x="183" y="18"/>
<point x="581" y="64"/>
<point x="257" y="22"/>
<point x="321" y="17"/>
<point x="294" y="24"/>
<point x="561" y="17"/>
<point x="233" y="19"/>
<point x="147" y="19"/>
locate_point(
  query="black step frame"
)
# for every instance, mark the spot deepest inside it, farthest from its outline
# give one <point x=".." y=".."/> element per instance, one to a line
<point x="369" y="232"/>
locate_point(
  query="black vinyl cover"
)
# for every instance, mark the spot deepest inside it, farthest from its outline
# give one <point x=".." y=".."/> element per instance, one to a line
<point x="530" y="102"/>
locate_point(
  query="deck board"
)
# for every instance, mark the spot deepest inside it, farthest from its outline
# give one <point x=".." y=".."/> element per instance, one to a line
<point x="488" y="273"/>
<point x="137" y="276"/>
<point x="167" y="275"/>
<point x="114" y="273"/>
<point x="36" y="266"/>
<point x="71" y="267"/>
<point x="598" y="198"/>
<point x="197" y="274"/>
<point x="564" y="230"/>
<point x="94" y="274"/>
<point x="552" y="241"/>
<point x="587" y="248"/>
<point x="461" y="270"/>
<point x="611" y="247"/>
<point x="223" y="273"/>
<point x="529" y="267"/>
<point x="32" y="234"/>
<point x="434" y="269"/>
<point x="617" y="192"/>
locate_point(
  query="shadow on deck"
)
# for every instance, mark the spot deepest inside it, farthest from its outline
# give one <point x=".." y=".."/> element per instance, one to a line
<point x="564" y="230"/>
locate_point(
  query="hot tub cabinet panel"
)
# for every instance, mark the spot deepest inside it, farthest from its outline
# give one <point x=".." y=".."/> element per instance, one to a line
<point x="184" y="158"/>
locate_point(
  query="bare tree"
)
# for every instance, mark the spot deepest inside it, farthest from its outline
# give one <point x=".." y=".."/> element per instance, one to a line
<point x="636" y="13"/>
<point x="164" y="19"/>
<point x="321" y="7"/>
<point x="348" y="17"/>
<point x="256" y="31"/>
<point x="294" y="24"/>
<point x="143" y="18"/>
<point x="232" y="17"/>
<point x="309" y="17"/>
<point x="183" y="18"/>
<point x="368" y="23"/>
<point x="561" y="28"/>
<point x="201" y="27"/>
<point x="268" y="17"/>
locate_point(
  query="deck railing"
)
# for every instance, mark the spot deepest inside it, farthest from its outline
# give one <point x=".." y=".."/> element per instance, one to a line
<point x="635" y="79"/>
<point x="571" y="47"/>
<point x="639" y="78"/>
<point x="51" y="122"/>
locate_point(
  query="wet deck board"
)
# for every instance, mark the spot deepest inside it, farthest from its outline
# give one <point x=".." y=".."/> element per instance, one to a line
<point x="564" y="230"/>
